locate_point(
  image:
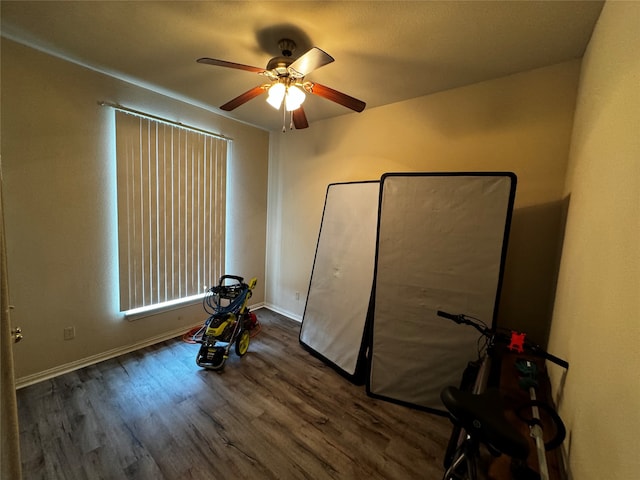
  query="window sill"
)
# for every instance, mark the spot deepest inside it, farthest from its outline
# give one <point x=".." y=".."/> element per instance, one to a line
<point x="152" y="310"/>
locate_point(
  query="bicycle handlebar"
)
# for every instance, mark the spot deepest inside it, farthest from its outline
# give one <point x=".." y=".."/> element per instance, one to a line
<point x="456" y="318"/>
<point x="461" y="319"/>
<point x="540" y="352"/>
<point x="533" y="348"/>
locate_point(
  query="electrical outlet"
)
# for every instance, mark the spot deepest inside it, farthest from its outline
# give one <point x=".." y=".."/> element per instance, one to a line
<point x="69" y="333"/>
<point x="297" y="295"/>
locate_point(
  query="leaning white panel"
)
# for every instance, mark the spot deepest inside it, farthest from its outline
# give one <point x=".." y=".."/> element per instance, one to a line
<point x="340" y="288"/>
<point x="441" y="245"/>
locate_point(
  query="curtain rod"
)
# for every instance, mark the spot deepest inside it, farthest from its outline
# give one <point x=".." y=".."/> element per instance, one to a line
<point x="160" y="119"/>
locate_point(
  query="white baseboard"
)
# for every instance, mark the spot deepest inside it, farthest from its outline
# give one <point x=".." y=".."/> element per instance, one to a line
<point x="100" y="357"/>
<point x="292" y="316"/>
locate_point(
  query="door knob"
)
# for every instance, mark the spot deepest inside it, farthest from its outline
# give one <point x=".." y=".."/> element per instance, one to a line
<point x="16" y="333"/>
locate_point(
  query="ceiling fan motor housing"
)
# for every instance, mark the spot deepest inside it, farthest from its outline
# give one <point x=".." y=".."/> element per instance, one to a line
<point x="287" y="47"/>
<point x="280" y="64"/>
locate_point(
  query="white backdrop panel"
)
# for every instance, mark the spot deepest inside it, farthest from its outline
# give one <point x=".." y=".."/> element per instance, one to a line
<point x="340" y="287"/>
<point x="441" y="245"/>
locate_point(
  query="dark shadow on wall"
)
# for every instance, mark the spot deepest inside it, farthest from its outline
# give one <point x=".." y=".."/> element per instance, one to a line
<point x="531" y="269"/>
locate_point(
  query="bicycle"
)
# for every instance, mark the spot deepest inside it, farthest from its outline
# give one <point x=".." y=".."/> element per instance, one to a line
<point x="477" y="410"/>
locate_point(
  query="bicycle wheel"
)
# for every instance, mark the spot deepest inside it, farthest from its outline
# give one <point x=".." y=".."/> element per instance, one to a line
<point x="469" y="378"/>
<point x="466" y="463"/>
<point x="452" y="446"/>
<point x="459" y="467"/>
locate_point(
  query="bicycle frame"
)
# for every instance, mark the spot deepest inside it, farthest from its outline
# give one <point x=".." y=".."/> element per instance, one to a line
<point x="467" y="446"/>
<point x="482" y="379"/>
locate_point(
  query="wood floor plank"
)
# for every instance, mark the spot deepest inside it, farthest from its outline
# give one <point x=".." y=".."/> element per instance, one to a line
<point x="276" y="413"/>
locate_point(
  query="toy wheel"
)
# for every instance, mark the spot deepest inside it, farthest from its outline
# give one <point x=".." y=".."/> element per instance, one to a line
<point x="242" y="343"/>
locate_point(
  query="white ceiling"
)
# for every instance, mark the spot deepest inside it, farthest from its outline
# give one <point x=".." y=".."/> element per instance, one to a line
<point x="385" y="51"/>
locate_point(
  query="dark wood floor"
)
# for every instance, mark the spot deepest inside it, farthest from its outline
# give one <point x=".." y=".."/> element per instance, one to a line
<point x="277" y="413"/>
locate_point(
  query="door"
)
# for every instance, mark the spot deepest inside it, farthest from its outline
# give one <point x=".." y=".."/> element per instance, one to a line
<point x="10" y="447"/>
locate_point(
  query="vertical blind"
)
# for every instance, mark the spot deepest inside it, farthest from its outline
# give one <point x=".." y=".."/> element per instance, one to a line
<point x="171" y="210"/>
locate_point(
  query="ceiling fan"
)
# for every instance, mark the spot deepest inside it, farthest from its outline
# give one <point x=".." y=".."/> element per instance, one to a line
<point x="286" y="83"/>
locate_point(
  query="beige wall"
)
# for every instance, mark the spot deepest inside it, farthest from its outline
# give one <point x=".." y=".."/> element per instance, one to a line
<point x="596" y="321"/>
<point x="520" y="123"/>
<point x="59" y="169"/>
<point x="60" y="213"/>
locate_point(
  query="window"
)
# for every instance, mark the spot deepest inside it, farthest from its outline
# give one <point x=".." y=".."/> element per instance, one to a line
<point x="171" y="210"/>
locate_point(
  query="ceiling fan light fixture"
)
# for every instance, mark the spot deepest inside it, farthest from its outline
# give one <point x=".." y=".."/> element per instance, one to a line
<point x="276" y="95"/>
<point x="294" y="98"/>
<point x="286" y="86"/>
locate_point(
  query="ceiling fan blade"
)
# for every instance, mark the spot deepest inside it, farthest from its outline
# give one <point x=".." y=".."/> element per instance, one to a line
<point x="242" y="99"/>
<point x="309" y="61"/>
<point x="224" y="63"/>
<point x="336" y="96"/>
<point x="299" y="118"/>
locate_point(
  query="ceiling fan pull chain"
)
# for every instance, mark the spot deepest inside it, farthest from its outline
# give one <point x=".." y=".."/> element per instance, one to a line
<point x="284" y="118"/>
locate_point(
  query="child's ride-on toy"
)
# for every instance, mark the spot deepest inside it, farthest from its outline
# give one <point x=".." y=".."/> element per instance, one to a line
<point x="229" y="323"/>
